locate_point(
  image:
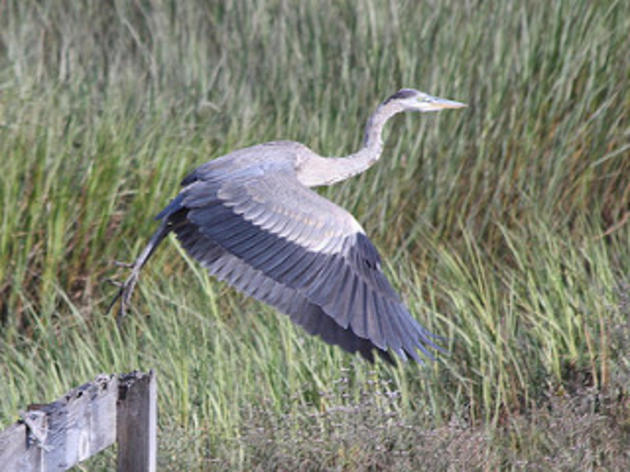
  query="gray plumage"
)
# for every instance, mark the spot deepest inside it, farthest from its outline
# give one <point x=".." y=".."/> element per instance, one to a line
<point x="250" y="219"/>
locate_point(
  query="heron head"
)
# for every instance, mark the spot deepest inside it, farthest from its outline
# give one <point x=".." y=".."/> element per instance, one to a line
<point x="414" y="100"/>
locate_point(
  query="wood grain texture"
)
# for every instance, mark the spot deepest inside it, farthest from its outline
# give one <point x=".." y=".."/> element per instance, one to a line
<point x="19" y="449"/>
<point x="80" y="424"/>
<point x="137" y="423"/>
<point x="57" y="436"/>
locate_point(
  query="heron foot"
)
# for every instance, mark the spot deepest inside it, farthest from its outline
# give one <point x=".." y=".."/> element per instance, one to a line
<point x="125" y="292"/>
<point x="126" y="288"/>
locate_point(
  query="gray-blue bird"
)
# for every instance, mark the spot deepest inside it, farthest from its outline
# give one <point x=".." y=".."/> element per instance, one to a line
<point x="251" y="219"/>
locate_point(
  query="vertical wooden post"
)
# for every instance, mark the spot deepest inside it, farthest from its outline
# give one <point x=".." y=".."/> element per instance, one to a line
<point x="137" y="422"/>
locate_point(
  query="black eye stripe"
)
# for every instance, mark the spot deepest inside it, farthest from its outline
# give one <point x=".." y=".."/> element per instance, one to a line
<point x="401" y="94"/>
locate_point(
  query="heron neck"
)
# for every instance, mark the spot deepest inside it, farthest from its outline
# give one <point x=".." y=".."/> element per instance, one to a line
<point x="315" y="170"/>
<point x="342" y="168"/>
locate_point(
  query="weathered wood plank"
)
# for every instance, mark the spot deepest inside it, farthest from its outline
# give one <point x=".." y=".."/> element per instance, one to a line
<point x="80" y="424"/>
<point x="56" y="436"/>
<point x="19" y="450"/>
<point x="137" y="423"/>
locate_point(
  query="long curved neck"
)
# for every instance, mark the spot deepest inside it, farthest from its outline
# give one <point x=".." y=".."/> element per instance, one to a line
<point x="329" y="170"/>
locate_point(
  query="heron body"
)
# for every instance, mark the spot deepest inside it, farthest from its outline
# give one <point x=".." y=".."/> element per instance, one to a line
<point x="251" y="219"/>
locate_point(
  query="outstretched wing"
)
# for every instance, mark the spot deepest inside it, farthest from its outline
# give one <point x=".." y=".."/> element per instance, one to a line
<point x="257" y="227"/>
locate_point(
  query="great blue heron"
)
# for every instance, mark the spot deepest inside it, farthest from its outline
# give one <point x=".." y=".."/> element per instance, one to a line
<point x="251" y="219"/>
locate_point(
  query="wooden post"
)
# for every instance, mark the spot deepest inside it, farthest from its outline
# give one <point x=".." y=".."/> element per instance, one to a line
<point x="137" y="422"/>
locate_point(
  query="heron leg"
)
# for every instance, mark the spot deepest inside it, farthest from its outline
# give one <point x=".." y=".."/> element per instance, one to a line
<point x="126" y="289"/>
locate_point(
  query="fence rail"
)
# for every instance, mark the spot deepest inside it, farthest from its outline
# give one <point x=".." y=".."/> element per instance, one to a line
<point x="112" y="408"/>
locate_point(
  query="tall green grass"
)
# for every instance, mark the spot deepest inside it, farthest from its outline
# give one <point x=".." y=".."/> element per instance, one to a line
<point x="505" y="226"/>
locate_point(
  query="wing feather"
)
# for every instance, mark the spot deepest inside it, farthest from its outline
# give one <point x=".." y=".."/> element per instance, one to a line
<point x="386" y="325"/>
<point x="258" y="285"/>
<point x="358" y="322"/>
<point x="373" y="323"/>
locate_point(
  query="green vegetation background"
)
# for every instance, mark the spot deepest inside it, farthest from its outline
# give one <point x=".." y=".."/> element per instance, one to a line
<point x="505" y="225"/>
